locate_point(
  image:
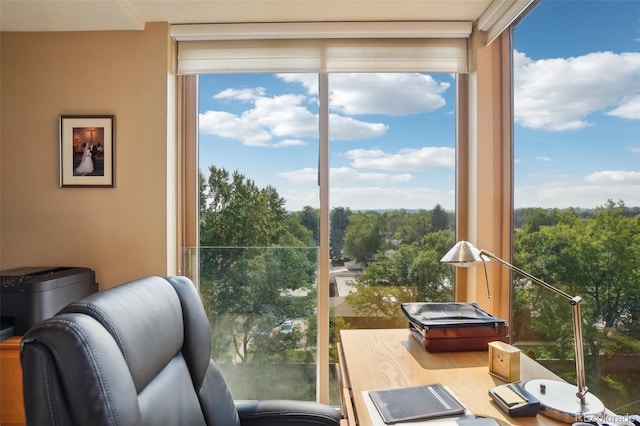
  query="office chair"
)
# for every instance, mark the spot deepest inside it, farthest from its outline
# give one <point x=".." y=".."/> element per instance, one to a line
<point x="140" y="354"/>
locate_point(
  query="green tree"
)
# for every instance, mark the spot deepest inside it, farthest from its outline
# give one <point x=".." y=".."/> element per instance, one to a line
<point x="610" y="250"/>
<point x="235" y="212"/>
<point x="381" y="288"/>
<point x="415" y="226"/>
<point x="539" y="217"/>
<point x="434" y="279"/>
<point x="415" y="266"/>
<point x="412" y="272"/>
<point x="595" y="258"/>
<point x="394" y="219"/>
<point x="299" y="231"/>
<point x="439" y="218"/>
<point x="364" y="237"/>
<point x="339" y="221"/>
<point x="254" y="271"/>
<point x="310" y="219"/>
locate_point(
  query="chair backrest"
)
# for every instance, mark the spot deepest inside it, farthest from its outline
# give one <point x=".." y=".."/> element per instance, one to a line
<point x="135" y="354"/>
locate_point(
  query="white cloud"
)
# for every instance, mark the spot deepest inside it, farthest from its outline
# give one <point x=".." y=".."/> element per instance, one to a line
<point x="289" y="142"/>
<point x="345" y="175"/>
<point x="287" y="115"/>
<point x="231" y="126"/>
<point x="375" y="197"/>
<point x="296" y="200"/>
<point x="388" y="93"/>
<point x="563" y="195"/>
<point x="308" y="174"/>
<point x="345" y="128"/>
<point x="245" y="95"/>
<point x="405" y="159"/>
<point x="559" y="94"/>
<point x="543" y="158"/>
<point x="283" y="116"/>
<point x="629" y="108"/>
<point x="307" y="80"/>
<point x="615" y="176"/>
<point x="594" y="190"/>
<point x="392" y="198"/>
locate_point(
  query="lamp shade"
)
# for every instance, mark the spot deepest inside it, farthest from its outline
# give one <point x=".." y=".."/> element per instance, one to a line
<point x="463" y="254"/>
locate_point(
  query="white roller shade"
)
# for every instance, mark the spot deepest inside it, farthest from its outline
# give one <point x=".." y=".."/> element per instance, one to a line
<point x="414" y="55"/>
<point x="278" y="48"/>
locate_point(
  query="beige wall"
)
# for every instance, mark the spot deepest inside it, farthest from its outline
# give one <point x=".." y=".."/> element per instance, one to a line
<point x="120" y="232"/>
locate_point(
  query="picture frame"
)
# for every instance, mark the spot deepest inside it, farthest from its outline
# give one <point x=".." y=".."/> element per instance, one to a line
<point x="87" y="145"/>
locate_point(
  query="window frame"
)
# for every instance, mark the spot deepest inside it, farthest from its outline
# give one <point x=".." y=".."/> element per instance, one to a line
<point x="484" y="181"/>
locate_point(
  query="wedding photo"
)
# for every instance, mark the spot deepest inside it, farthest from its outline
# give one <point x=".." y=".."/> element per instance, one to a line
<point x="86" y="150"/>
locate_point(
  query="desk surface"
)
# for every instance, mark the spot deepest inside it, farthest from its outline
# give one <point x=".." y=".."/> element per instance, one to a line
<point x="382" y="359"/>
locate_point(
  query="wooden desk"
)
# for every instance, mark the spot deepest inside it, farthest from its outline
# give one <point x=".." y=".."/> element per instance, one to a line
<point x="383" y="359"/>
<point x="11" y="403"/>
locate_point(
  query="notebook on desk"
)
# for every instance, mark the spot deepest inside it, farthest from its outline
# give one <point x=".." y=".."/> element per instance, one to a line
<point x="467" y="419"/>
<point x="415" y="403"/>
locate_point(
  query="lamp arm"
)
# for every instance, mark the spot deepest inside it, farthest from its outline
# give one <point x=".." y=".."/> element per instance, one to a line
<point x="577" y="321"/>
<point x="579" y="349"/>
<point x="528" y="275"/>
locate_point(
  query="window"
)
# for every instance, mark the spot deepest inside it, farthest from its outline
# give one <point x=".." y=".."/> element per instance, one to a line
<point x="258" y="254"/>
<point x="576" y="191"/>
<point x="471" y="129"/>
<point x="392" y="139"/>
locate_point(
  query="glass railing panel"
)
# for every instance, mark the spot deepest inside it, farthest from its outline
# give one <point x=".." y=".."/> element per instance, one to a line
<point x="369" y="297"/>
<point x="261" y="304"/>
<point x="262" y="308"/>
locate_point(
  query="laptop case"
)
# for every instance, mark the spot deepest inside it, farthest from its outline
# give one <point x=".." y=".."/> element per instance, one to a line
<point x="453" y="326"/>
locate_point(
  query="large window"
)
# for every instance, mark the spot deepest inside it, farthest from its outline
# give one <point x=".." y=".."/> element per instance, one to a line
<point x="392" y="179"/>
<point x="423" y="140"/>
<point x="258" y="250"/>
<point x="577" y="187"/>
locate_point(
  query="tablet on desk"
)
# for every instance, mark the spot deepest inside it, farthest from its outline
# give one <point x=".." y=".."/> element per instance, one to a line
<point x="415" y="403"/>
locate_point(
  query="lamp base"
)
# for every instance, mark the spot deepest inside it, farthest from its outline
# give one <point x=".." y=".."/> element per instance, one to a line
<point x="558" y="400"/>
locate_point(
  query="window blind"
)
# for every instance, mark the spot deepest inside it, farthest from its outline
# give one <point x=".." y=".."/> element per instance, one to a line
<point x="383" y="51"/>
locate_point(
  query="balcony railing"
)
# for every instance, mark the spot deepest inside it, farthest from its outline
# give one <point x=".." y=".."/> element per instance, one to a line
<point x="262" y="307"/>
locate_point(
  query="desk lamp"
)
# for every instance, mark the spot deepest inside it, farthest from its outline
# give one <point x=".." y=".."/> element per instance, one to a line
<point x="559" y="400"/>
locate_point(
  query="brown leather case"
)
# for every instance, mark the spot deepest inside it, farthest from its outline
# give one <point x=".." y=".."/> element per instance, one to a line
<point x="453" y="327"/>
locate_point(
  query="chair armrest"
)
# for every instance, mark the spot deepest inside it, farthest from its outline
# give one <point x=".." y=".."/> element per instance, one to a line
<point x="279" y="412"/>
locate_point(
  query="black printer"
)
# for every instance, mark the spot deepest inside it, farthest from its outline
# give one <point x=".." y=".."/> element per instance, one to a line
<point x="31" y="294"/>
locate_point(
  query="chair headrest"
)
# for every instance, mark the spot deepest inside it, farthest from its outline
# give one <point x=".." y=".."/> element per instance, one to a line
<point x="145" y="319"/>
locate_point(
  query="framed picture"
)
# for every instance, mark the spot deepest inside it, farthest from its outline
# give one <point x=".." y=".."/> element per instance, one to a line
<point x="87" y="150"/>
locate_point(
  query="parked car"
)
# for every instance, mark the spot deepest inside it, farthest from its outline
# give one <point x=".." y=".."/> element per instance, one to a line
<point x="286" y="327"/>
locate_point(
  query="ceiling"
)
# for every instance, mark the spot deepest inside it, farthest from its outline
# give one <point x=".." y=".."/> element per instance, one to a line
<point x="89" y="15"/>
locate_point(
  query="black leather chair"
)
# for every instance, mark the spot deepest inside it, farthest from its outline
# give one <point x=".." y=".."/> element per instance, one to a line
<point x="140" y="354"/>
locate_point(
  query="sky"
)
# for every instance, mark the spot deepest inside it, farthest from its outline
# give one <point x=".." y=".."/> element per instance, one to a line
<point x="392" y="136"/>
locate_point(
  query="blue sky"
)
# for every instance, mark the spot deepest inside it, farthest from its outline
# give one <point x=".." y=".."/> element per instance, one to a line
<point x="577" y="104"/>
<point x="577" y="121"/>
